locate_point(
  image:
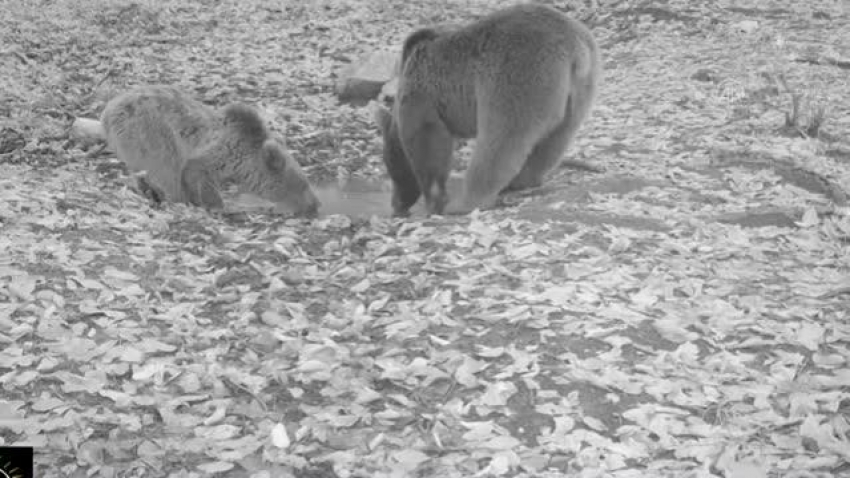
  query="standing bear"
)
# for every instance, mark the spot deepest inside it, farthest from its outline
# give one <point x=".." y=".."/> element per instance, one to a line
<point x="520" y="81"/>
<point x="189" y="149"/>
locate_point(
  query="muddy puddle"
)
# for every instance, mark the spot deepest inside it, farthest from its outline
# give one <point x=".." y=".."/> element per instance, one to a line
<point x="356" y="198"/>
<point x="558" y="202"/>
<point x="364" y="198"/>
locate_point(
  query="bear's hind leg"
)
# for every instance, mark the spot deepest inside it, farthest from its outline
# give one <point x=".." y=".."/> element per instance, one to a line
<point x="549" y="151"/>
<point x="545" y="155"/>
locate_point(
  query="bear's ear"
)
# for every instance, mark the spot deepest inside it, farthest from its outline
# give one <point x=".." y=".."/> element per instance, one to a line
<point x="246" y="121"/>
<point x="382" y="116"/>
<point x="275" y="157"/>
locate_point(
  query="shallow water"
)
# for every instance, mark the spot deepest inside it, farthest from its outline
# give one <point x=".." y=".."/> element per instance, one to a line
<point x="355" y="198"/>
<point x="365" y="198"/>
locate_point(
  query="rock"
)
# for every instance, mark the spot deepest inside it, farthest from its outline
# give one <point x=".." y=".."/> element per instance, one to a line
<point x="364" y="79"/>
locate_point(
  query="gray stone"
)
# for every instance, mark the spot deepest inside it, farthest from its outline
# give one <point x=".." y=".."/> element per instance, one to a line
<point x="364" y="79"/>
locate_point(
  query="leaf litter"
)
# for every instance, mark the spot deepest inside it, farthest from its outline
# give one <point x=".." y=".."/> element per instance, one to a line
<point x="167" y="342"/>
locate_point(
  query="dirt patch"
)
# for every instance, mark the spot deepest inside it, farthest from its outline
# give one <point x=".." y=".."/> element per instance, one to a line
<point x="774" y="218"/>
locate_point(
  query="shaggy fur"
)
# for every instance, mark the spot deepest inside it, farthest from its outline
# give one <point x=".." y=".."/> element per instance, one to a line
<point x="520" y="81"/>
<point x="189" y="149"/>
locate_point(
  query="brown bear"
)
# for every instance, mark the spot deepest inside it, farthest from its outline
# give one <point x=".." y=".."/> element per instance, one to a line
<point x="188" y="149"/>
<point x="520" y="81"/>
